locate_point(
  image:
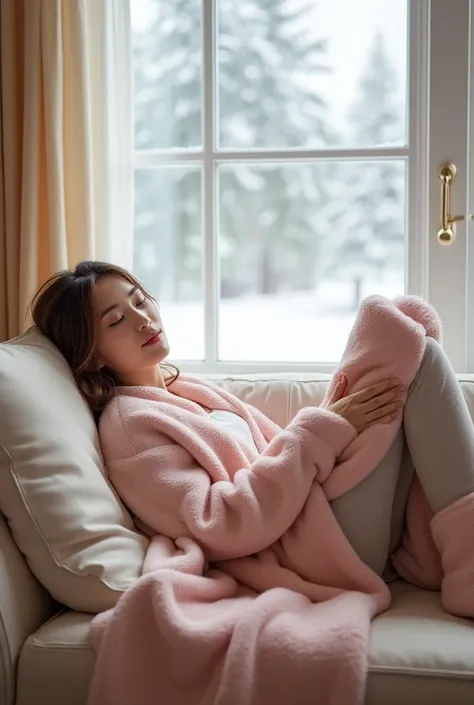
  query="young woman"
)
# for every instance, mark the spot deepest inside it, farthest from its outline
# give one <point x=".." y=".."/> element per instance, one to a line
<point x="110" y="331"/>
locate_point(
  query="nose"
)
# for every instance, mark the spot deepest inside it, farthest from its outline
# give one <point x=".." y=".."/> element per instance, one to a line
<point x="143" y="320"/>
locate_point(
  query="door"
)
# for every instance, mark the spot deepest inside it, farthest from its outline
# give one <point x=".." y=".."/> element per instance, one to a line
<point x="448" y="120"/>
<point x="287" y="158"/>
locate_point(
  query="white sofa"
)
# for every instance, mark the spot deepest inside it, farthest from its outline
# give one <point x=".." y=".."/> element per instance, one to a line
<point x="419" y="654"/>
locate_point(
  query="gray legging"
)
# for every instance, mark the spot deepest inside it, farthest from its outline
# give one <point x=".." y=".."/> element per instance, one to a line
<point x="436" y="441"/>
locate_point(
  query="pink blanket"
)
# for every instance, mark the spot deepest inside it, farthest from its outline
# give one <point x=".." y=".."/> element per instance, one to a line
<point x="251" y="594"/>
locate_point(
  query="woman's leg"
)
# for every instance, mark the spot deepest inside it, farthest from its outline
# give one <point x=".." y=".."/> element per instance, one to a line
<point x="365" y="512"/>
<point x="439" y="431"/>
<point x="440" y="446"/>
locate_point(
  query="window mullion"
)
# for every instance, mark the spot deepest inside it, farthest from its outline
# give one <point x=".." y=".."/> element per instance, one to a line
<point x="418" y="169"/>
<point x="211" y="273"/>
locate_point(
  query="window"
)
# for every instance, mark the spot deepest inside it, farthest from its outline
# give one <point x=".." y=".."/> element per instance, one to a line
<point x="270" y="172"/>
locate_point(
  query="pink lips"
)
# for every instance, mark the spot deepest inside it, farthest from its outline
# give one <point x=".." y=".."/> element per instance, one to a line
<point x="153" y="339"/>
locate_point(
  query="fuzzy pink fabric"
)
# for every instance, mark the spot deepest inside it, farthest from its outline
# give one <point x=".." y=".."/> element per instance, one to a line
<point x="387" y="340"/>
<point x="251" y="594"/>
<point x="417" y="560"/>
<point x="453" y="534"/>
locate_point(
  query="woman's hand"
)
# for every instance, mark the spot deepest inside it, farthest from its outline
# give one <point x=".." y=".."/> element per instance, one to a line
<point x="378" y="403"/>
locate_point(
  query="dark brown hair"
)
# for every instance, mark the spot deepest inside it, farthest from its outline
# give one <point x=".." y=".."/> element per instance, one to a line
<point x="62" y="309"/>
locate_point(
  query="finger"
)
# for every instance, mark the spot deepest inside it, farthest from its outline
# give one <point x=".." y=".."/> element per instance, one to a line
<point x="384" y="419"/>
<point x="385" y="410"/>
<point x="381" y="400"/>
<point x="343" y="382"/>
<point x="336" y="394"/>
<point x="387" y="418"/>
<point x="339" y="389"/>
<point x="375" y="389"/>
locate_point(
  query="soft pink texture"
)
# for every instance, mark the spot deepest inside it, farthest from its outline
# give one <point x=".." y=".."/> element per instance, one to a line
<point x="453" y="534"/>
<point x="384" y="342"/>
<point x="284" y="610"/>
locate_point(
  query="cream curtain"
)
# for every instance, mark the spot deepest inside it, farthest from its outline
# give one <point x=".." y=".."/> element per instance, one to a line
<point x="66" y="143"/>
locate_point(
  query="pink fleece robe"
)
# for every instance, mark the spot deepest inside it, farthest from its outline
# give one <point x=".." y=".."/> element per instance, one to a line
<point x="251" y="594"/>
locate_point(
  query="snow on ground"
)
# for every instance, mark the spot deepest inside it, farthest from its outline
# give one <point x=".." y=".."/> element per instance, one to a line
<point x="289" y="327"/>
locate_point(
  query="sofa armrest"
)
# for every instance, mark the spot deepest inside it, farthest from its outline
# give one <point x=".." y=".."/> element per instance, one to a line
<point x="24" y="607"/>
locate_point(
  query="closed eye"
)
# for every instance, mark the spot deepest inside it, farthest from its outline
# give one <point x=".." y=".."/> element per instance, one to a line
<point x="115" y="322"/>
<point x="139" y="303"/>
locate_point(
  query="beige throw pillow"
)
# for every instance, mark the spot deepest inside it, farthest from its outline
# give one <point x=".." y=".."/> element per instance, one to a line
<point x="78" y="538"/>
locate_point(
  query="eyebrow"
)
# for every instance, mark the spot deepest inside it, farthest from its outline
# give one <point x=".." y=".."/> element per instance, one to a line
<point x="110" y="308"/>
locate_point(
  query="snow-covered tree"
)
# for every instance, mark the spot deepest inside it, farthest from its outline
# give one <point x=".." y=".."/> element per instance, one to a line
<point x="268" y="68"/>
<point x="369" y="224"/>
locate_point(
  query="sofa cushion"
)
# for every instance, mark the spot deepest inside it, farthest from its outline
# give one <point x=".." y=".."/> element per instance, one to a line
<point x="24" y="606"/>
<point x="57" y="662"/>
<point x="419" y="655"/>
<point x="77" y="537"/>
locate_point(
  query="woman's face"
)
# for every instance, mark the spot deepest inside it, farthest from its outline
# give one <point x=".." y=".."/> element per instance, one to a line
<point x="130" y="336"/>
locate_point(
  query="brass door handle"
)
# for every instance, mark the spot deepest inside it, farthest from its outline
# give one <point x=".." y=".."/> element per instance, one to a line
<point x="447" y="175"/>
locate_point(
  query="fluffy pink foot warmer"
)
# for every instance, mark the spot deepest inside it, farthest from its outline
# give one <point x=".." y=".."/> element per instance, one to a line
<point x="453" y="534"/>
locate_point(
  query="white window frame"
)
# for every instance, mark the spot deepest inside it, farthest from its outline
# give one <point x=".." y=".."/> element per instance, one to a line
<point x="210" y="157"/>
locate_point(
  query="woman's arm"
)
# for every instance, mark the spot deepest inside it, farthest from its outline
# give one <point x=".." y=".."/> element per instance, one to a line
<point x="164" y="486"/>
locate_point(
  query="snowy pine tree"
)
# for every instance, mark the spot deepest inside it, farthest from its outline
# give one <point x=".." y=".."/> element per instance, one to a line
<point x="269" y="63"/>
<point x="167" y="68"/>
<point x="370" y="222"/>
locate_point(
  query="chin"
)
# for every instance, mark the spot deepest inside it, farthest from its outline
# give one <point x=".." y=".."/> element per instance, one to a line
<point x="162" y="352"/>
<point x="157" y="352"/>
